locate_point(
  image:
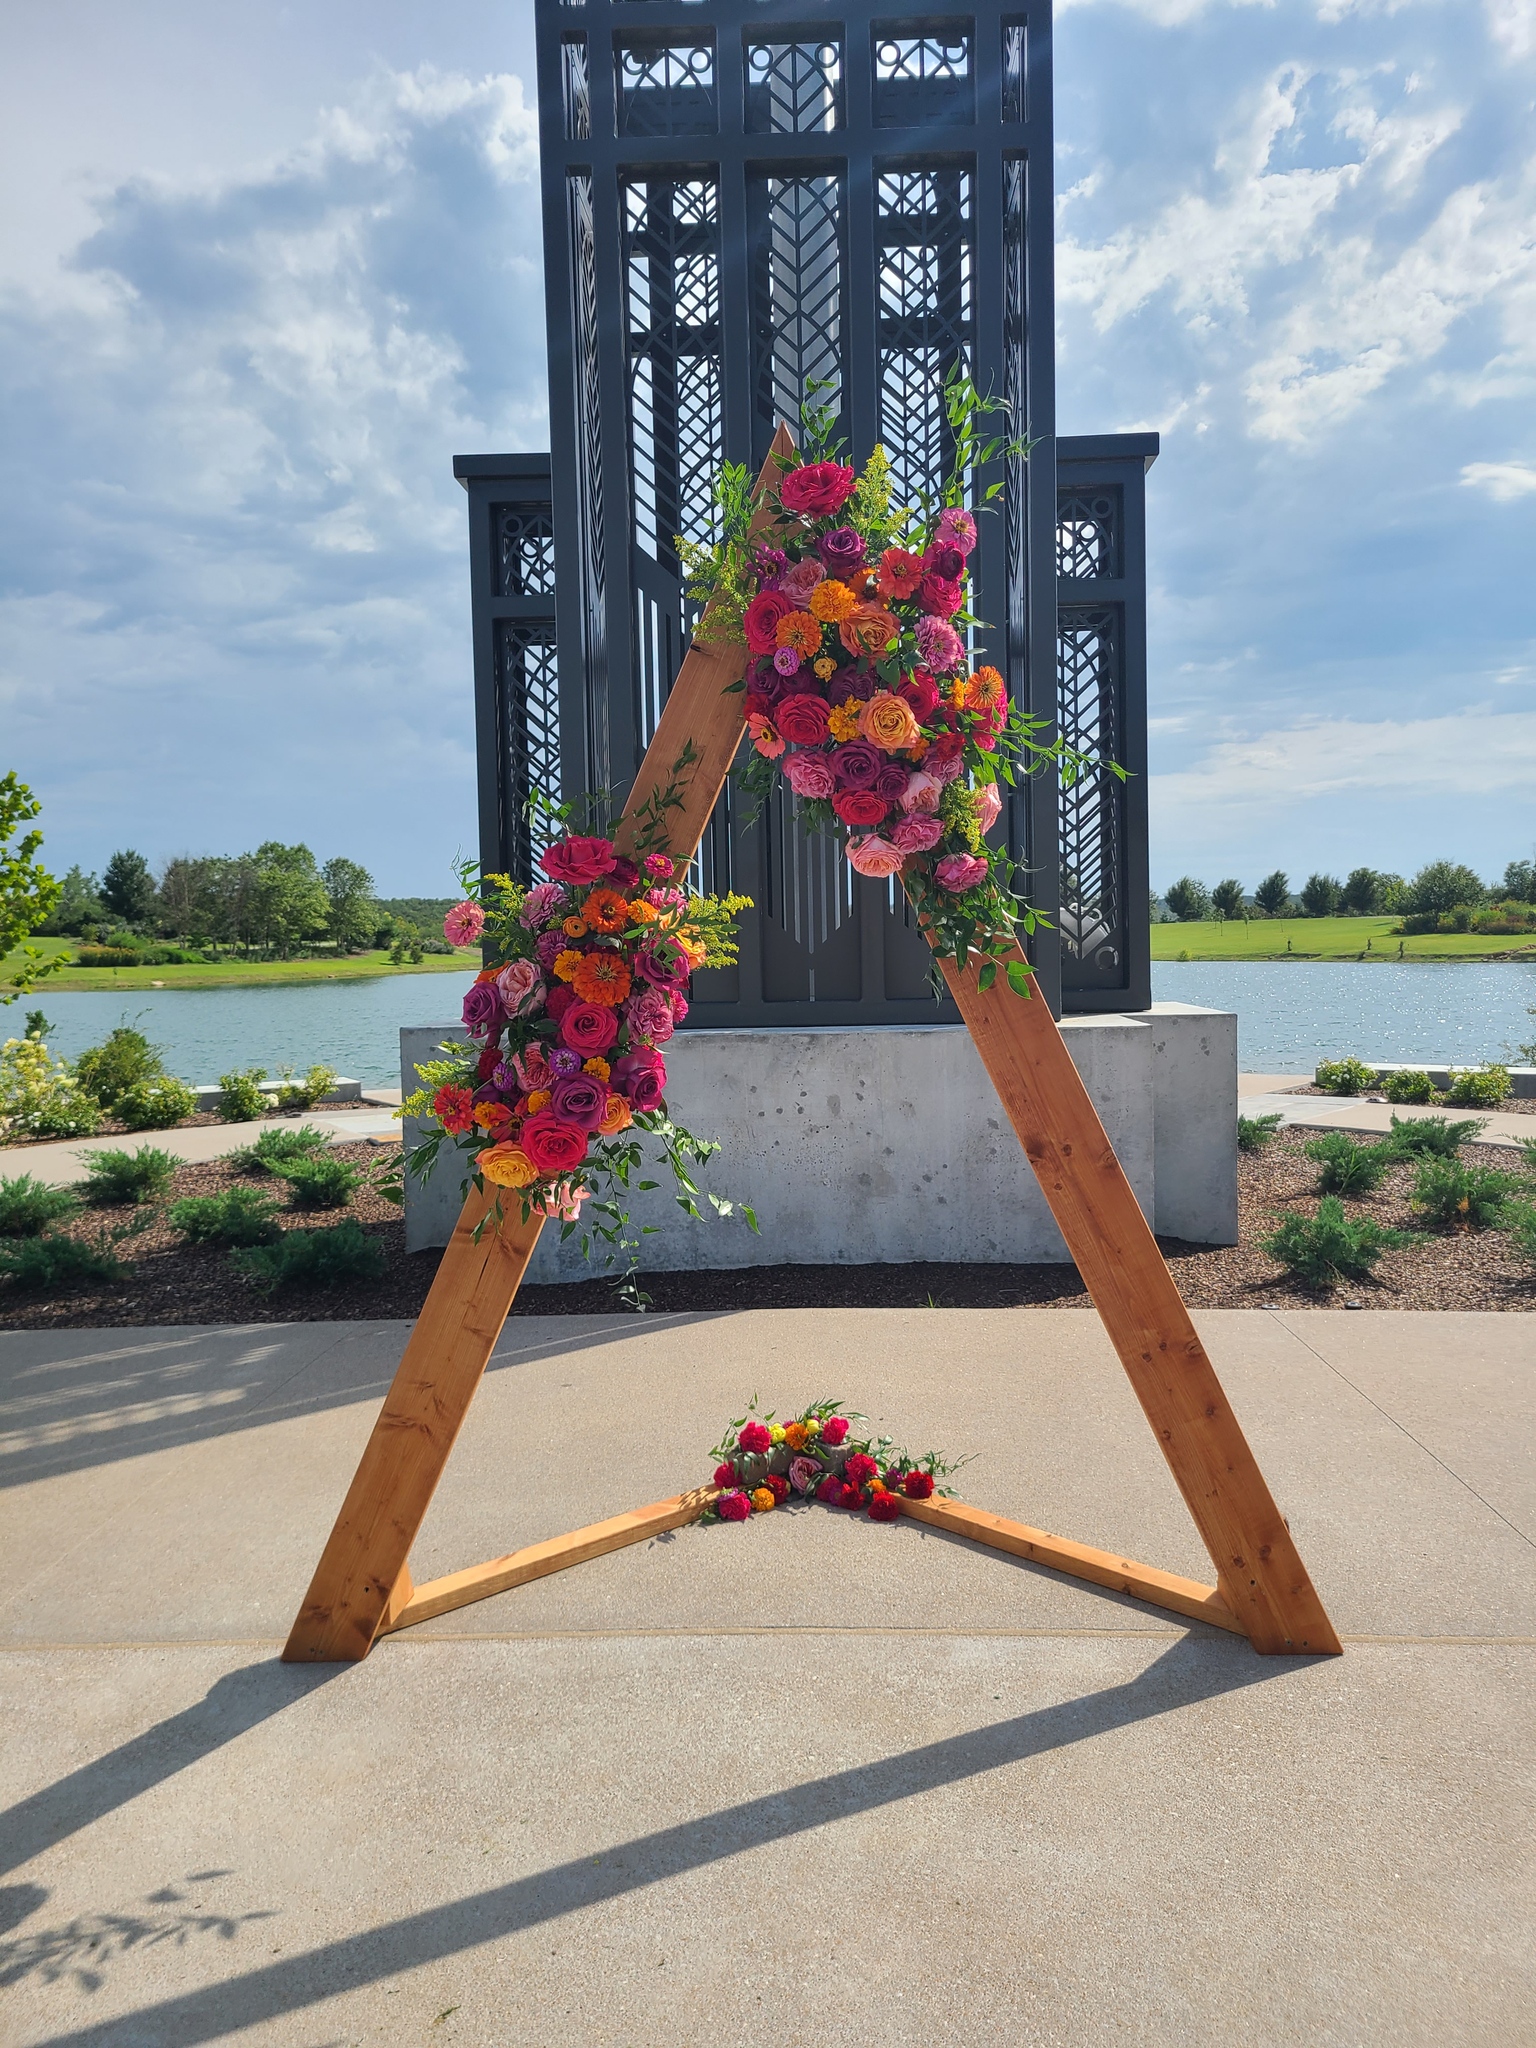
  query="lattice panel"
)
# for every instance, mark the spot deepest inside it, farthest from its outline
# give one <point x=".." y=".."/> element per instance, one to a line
<point x="589" y="473"/>
<point x="796" y="294"/>
<point x="667" y="88"/>
<point x="924" y="80"/>
<point x="1093" y="926"/>
<point x="794" y="88"/>
<point x="925" y="231"/>
<point x="812" y="949"/>
<point x="672" y="317"/>
<point x="1016" y="395"/>
<point x="528" y="695"/>
<point x="524" y="544"/>
<point x="1015" y="74"/>
<point x="576" y="89"/>
<point x="1087" y="534"/>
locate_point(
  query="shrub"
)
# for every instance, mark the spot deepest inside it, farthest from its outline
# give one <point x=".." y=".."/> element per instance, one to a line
<point x="1255" y="1132"/>
<point x="1433" y="1137"/>
<point x="1349" y="1168"/>
<point x="1321" y="895"/>
<point x="142" y="1176"/>
<point x="1444" y="885"/>
<point x="1188" y="899"/>
<point x="1412" y="1085"/>
<point x="278" y="1148"/>
<point x="1344" y="1077"/>
<point x="1324" y="1249"/>
<point x="28" y="1206"/>
<point x="312" y="1258"/>
<point x="304" y="1094"/>
<point x="242" y="1101"/>
<point x="319" y="1182"/>
<point x="240" y="1216"/>
<point x="1528" y="1152"/>
<point x="49" y="1264"/>
<point x="39" y="1097"/>
<point x="107" y="956"/>
<point x="155" y="1105"/>
<point x="1457" y="1197"/>
<point x="1479" y="1087"/>
<point x="1520" y="1221"/>
<point x="123" y="1060"/>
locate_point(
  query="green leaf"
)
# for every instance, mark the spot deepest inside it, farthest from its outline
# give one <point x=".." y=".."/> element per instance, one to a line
<point x="1019" y="978"/>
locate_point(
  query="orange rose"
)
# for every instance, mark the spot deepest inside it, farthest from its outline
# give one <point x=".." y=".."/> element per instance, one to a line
<point x="887" y="721"/>
<point x="507" y="1166"/>
<point x="868" y="630"/>
<point x="616" y="1117"/>
<point x="832" y="602"/>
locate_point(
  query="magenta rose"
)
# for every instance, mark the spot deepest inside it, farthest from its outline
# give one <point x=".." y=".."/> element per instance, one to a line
<point x="917" y="833"/>
<point x="588" y="1028"/>
<point x="856" y="765"/>
<point x="578" y="860"/>
<point x="842" y="552"/>
<point x="649" y="1016"/>
<point x="922" y="693"/>
<point x="958" y="872"/>
<point x="662" y="965"/>
<point x="936" y="594"/>
<point x="625" y="873"/>
<point x="803" y="720"/>
<point x="940" y="645"/>
<point x="482" y="1007"/>
<point x="552" y="1144"/>
<point x="891" y="782"/>
<point x="642" y="1076"/>
<point x="580" y="1100"/>
<point x="817" y="489"/>
<point x="679" y="1006"/>
<point x="860" y="807"/>
<point x="762" y="620"/>
<point x="944" y="560"/>
<point x="522" y="987"/>
<point x="810" y="775"/>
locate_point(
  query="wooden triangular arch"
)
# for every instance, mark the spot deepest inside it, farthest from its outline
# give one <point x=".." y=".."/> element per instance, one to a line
<point x="362" y="1585"/>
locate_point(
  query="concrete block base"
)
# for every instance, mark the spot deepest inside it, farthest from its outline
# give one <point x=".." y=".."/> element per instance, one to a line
<point x="888" y="1146"/>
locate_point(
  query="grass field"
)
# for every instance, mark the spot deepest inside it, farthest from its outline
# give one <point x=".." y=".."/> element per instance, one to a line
<point x="1327" y="938"/>
<point x="231" y="973"/>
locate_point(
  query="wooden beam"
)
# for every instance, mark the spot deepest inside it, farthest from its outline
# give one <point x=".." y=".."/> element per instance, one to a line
<point x="1131" y="1287"/>
<point x="1119" y="1574"/>
<point x="481" y="1581"/>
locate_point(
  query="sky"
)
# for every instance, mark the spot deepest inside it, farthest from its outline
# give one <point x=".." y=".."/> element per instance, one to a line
<point x="263" y="272"/>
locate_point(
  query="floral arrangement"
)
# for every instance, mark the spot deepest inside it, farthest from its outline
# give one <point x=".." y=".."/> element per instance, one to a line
<point x="860" y="688"/>
<point x="761" y="1463"/>
<point x="585" y="982"/>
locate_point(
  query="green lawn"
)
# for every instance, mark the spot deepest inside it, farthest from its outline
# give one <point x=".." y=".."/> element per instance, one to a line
<point x="229" y="973"/>
<point x="1326" y="938"/>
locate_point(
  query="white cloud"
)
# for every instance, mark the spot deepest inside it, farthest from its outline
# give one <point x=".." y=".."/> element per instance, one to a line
<point x="1512" y="24"/>
<point x="1503" y="481"/>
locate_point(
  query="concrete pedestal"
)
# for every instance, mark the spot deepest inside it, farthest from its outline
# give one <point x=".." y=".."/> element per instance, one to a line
<point x="884" y="1147"/>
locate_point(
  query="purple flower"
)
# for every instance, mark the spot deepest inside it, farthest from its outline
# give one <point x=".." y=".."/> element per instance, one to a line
<point x="842" y="550"/>
<point x="853" y="681"/>
<point x="505" y="1079"/>
<point x="649" y="1016"/>
<point x="549" y="946"/>
<point x="787" y="661"/>
<point x="770" y="564"/>
<point x="857" y="764"/>
<point x="544" y="902"/>
<point x="945" y="560"/>
<point x="579" y="1099"/>
<point x="564" y="1062"/>
<point x="641" y="1075"/>
<point x="940" y="645"/>
<point x="891" y="782"/>
<point x="956" y="529"/>
<point x="663" y="966"/>
<point x="482" y="1007"/>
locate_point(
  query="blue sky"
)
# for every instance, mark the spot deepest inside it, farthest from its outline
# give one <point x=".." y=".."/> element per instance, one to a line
<point x="263" y="272"/>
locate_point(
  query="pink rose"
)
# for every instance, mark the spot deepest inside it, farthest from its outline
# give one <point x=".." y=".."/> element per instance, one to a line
<point x="989" y="804"/>
<point x="923" y="793"/>
<point x="761" y="622"/>
<point x="958" y="872"/>
<point x="579" y="860"/>
<point x="544" y="902"/>
<point x="563" y="1202"/>
<point x="946" y="770"/>
<point x="521" y="985"/>
<point x="818" y="489"/>
<point x="588" y="1029"/>
<point x="649" y="1017"/>
<point x="810" y="775"/>
<point x="641" y="1076"/>
<point x="800" y="579"/>
<point x="804" y="1475"/>
<point x="464" y="924"/>
<point x="874" y="856"/>
<point x="834" y="1429"/>
<point x="917" y="833"/>
<point x="936" y="594"/>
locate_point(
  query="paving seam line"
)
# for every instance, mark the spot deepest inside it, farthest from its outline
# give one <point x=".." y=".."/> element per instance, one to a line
<point x="416" y="1640"/>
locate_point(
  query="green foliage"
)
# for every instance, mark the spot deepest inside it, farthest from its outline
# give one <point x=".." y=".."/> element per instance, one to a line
<point x="1227" y="897"/>
<point x="241" y="1100"/>
<point x="350" y="913"/>
<point x="1362" y="892"/>
<point x="240" y="1216"/>
<point x="1321" y="896"/>
<point x="1344" y="1077"/>
<point x="1323" y="1250"/>
<point x="1479" y="1087"/>
<point x="39" y="1096"/>
<point x="54" y="1262"/>
<point x="142" y="1176"/>
<point x="1528" y="1153"/>
<point x="28" y="892"/>
<point x="1457" y="1197"/>
<point x="280" y="1147"/>
<point x="1443" y="885"/>
<point x="28" y="1206"/>
<point x="1411" y="1085"/>
<point x="128" y="887"/>
<point x="312" y="1258"/>
<point x="79" y="907"/>
<point x="1520" y="881"/>
<point x="316" y="1084"/>
<point x="1188" y="899"/>
<point x="157" y="1105"/>
<point x="320" y="1182"/>
<point x="1520" y="1222"/>
<point x="123" y="1060"/>
<point x="1274" y="893"/>
<point x="1432" y="1137"/>
<point x="1349" y="1168"/>
<point x="1255" y="1132"/>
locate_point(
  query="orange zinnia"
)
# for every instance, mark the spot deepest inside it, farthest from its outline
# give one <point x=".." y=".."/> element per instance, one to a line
<point x="574" y="928"/>
<point x="986" y="689"/>
<point x="800" y="631"/>
<point x="606" y="910"/>
<point x="600" y="978"/>
<point x="832" y="602"/>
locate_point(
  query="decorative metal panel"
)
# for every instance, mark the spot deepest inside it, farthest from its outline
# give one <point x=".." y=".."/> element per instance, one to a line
<point x="1087" y="534"/>
<point x="576" y="88"/>
<point x="1093" y="906"/>
<point x="923" y="79"/>
<point x="672" y="328"/>
<point x="667" y="88"/>
<point x="925" y="235"/>
<point x="794" y="88"/>
<point x="796" y="241"/>
<point x="523" y="539"/>
<point x="527" y="690"/>
<point x="588" y="554"/>
<point x="1015" y="73"/>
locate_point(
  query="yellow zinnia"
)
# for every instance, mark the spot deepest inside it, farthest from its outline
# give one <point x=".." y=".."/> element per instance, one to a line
<point x="843" y="720"/>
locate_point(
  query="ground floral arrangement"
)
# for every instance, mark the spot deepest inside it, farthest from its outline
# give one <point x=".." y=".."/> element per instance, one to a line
<point x="585" y="983"/>
<point x="761" y="1463"/>
<point x="860" y="693"/>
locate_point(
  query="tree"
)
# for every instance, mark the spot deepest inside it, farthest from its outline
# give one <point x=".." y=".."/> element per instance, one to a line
<point x="1227" y="897"/>
<point x="128" y="888"/>
<point x="181" y="883"/>
<point x="349" y="893"/>
<point x="1362" y="892"/>
<point x="289" y="897"/>
<point x="78" y="909"/>
<point x="1189" y="900"/>
<point x="1519" y="881"/>
<point x="27" y="891"/>
<point x="1443" y="885"/>
<point x="1273" y="895"/>
<point x="1393" y="899"/>
<point x="1321" y="895"/>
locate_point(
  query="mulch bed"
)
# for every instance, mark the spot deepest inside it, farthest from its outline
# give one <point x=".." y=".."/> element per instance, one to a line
<point x="173" y="1282"/>
<point x="1512" y="1105"/>
<point x="203" y="1120"/>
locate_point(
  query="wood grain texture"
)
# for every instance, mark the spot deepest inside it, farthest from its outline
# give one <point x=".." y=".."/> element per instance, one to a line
<point x="1102" y="1567"/>
<point x="481" y="1581"/>
<point x="1097" y="1212"/>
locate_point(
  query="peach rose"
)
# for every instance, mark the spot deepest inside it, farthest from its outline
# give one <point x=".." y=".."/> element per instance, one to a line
<point x="870" y="630"/>
<point x="989" y="804"/>
<point x="887" y="721"/>
<point x="923" y="793"/>
<point x="507" y="1166"/>
<point x="874" y="856"/>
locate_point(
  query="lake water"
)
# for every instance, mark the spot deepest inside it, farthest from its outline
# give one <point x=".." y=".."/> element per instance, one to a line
<point x="1289" y="1015"/>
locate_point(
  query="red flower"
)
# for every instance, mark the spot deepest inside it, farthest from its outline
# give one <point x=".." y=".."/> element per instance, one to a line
<point x="755" y="1439"/>
<point x="860" y="807"/>
<point x="853" y="1497"/>
<point x="900" y="573"/>
<point x="945" y="560"/>
<point x="802" y="719"/>
<point x="578" y="860"/>
<point x="553" y="1145"/>
<point x="834" y="1429"/>
<point x="778" y="1487"/>
<point x="734" y="1507"/>
<point x="860" y="1468"/>
<point x="947" y="747"/>
<point x="831" y="1491"/>
<point x="937" y="595"/>
<point x="762" y="620"/>
<point x="918" y="1485"/>
<point x="884" y="1507"/>
<point x="817" y="489"/>
<point x="725" y="1475"/>
<point x="452" y="1107"/>
<point x="559" y="1000"/>
<point x="488" y="1061"/>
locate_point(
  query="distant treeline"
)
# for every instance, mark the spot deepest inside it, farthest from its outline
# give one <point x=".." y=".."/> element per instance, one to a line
<point x="278" y="901"/>
<point x="1442" y="889"/>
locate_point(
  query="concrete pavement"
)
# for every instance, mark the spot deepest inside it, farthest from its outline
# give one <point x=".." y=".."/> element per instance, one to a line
<point x="1263" y="1094"/>
<point x="62" y="1164"/>
<point x="811" y="1778"/>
